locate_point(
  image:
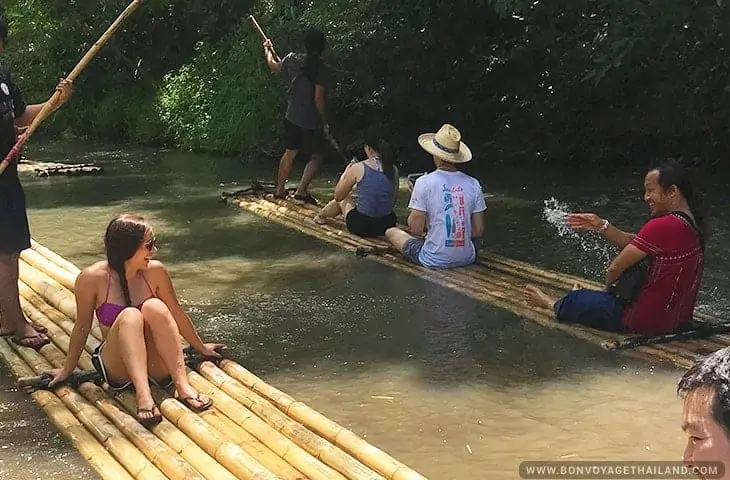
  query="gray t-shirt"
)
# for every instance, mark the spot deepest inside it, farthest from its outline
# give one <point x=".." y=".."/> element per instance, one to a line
<point x="301" y="109"/>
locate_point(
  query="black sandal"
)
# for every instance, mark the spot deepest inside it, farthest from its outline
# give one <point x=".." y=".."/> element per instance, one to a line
<point x="149" y="422"/>
<point x="203" y="407"/>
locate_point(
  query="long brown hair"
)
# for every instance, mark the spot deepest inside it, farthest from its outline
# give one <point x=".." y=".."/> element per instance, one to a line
<point x="124" y="235"/>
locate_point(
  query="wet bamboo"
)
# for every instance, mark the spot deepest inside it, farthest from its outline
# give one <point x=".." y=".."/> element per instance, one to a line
<point x="105" y="432"/>
<point x="262" y="437"/>
<point x="41" y="263"/>
<point x="54" y="293"/>
<point x="315" y="445"/>
<point x="227" y="453"/>
<point x="177" y="441"/>
<point x="375" y="458"/>
<point x="54" y="257"/>
<point x="88" y="446"/>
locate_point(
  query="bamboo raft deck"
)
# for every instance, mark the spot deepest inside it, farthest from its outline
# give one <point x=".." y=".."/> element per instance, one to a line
<point x="52" y="169"/>
<point x="253" y="431"/>
<point x="493" y="279"/>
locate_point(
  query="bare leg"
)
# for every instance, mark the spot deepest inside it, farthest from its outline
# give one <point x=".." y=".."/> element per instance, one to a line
<point x="538" y="297"/>
<point x="125" y="358"/>
<point x="284" y="170"/>
<point x="397" y="237"/>
<point x="310" y="171"/>
<point x="166" y="337"/>
<point x="332" y="209"/>
<point x="12" y="315"/>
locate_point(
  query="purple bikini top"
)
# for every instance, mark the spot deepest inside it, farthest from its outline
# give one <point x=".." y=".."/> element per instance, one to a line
<point x="107" y="312"/>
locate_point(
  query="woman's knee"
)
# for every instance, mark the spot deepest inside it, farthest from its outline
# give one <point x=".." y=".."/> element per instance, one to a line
<point x="155" y="308"/>
<point x="130" y="317"/>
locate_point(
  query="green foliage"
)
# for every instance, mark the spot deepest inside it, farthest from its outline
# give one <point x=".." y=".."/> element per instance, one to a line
<point x="589" y="80"/>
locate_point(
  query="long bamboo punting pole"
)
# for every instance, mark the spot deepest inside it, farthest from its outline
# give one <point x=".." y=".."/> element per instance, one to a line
<point x="50" y="105"/>
<point x="89" y="447"/>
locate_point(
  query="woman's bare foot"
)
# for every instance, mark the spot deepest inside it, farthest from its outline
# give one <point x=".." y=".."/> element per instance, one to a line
<point x="319" y="220"/>
<point x="577" y="286"/>
<point x="538" y="297"/>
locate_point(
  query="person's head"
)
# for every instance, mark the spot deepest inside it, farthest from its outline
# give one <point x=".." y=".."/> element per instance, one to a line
<point x="669" y="187"/>
<point x="446" y="147"/>
<point x="130" y="245"/>
<point x="314" y="42"/>
<point x="376" y="146"/>
<point x="705" y="389"/>
<point x="3" y="33"/>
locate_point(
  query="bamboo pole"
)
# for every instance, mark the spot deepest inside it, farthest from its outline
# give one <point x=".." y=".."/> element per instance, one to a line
<point x="41" y="263"/>
<point x="313" y="444"/>
<point x="54" y="293"/>
<point x="54" y="257"/>
<point x="371" y="456"/>
<point x="88" y="446"/>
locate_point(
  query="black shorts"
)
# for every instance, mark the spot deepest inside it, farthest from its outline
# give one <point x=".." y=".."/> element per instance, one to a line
<point x="14" y="229"/>
<point x="366" y="226"/>
<point x="307" y="141"/>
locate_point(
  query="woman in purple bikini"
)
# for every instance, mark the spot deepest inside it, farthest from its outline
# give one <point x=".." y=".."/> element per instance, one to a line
<point x="140" y="320"/>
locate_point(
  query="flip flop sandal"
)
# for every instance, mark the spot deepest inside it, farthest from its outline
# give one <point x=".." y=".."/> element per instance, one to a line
<point x="35" y="326"/>
<point x="306" y="199"/>
<point x="201" y="408"/>
<point x="19" y="341"/>
<point x="149" y="422"/>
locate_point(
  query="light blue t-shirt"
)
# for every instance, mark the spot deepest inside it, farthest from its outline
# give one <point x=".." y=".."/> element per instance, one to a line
<point x="449" y="199"/>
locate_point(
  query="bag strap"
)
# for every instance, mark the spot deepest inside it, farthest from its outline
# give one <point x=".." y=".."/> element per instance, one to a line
<point x="692" y="223"/>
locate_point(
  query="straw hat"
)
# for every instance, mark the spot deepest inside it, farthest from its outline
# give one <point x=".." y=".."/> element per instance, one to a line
<point x="446" y="144"/>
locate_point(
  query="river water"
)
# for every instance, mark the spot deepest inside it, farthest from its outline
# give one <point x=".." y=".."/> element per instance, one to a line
<point x="455" y="388"/>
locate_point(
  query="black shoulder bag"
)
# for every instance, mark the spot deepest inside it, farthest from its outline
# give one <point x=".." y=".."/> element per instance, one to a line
<point x="627" y="287"/>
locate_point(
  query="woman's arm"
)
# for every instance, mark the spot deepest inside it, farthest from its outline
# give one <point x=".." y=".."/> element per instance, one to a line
<point x="166" y="292"/>
<point x="347" y="181"/>
<point x="85" y="292"/>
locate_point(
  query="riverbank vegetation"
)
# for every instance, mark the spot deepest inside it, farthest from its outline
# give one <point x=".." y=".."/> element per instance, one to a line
<point x="606" y="81"/>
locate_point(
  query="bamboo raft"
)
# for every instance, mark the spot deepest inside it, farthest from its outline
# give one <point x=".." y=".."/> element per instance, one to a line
<point x="52" y="169"/>
<point x="253" y="431"/>
<point x="493" y="279"/>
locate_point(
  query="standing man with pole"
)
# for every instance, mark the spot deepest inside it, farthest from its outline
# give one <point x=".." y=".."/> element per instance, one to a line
<point x="14" y="229"/>
<point x="305" y="124"/>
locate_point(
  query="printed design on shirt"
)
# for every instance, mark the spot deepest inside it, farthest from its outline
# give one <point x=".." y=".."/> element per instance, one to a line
<point x="454" y="213"/>
<point x="6" y="103"/>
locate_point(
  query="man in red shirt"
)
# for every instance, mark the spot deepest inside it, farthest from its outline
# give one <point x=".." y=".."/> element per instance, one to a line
<point x="673" y="243"/>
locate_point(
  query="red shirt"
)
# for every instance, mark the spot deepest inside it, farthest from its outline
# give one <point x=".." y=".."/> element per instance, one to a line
<point x="672" y="283"/>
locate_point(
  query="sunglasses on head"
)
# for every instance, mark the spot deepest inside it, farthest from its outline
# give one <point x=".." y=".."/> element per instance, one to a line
<point x="151" y="243"/>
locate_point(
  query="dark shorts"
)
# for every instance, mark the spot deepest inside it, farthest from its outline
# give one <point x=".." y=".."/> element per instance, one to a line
<point x="99" y="367"/>
<point x="366" y="226"/>
<point x="14" y="229"/>
<point x="308" y="141"/>
<point x="413" y="247"/>
<point x="591" y="308"/>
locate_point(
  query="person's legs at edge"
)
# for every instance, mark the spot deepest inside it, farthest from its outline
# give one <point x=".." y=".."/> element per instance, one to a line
<point x="310" y="170"/>
<point x="397" y="237"/>
<point x="285" y="165"/>
<point x="541" y="299"/>
<point x="12" y="315"/>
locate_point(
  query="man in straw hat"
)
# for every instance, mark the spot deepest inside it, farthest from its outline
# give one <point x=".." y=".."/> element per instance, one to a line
<point x="447" y="207"/>
<point x="14" y="230"/>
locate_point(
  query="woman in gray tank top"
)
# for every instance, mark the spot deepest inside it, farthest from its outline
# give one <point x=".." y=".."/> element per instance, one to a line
<point x="371" y="213"/>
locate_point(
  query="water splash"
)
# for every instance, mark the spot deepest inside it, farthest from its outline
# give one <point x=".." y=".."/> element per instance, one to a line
<point x="594" y="254"/>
